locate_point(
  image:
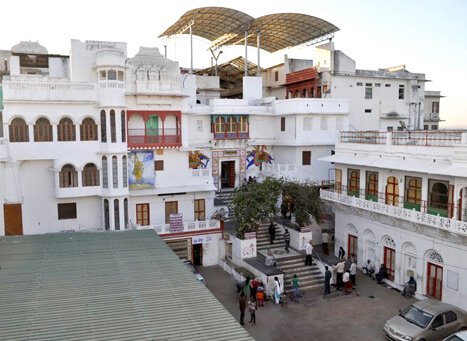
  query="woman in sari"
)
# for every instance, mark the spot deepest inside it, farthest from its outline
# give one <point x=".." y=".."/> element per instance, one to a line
<point x="277" y="290"/>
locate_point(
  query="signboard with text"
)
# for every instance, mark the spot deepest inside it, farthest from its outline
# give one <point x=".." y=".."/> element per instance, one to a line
<point x="176" y="222"/>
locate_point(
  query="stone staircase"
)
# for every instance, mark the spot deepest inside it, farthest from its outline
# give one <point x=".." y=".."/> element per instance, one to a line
<point x="223" y="198"/>
<point x="263" y="241"/>
<point x="310" y="277"/>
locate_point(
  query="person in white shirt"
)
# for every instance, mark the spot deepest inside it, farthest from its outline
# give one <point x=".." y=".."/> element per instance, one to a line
<point x="339" y="272"/>
<point x="347" y="283"/>
<point x="309" y="253"/>
<point x="353" y="273"/>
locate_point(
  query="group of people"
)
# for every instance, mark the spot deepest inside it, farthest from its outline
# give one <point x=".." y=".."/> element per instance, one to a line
<point x="251" y="295"/>
<point x="344" y="274"/>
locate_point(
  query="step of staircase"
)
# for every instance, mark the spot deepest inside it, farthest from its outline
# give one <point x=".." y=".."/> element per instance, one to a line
<point x="310" y="276"/>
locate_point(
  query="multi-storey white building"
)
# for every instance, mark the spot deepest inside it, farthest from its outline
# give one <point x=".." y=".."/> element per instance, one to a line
<point x="96" y="140"/>
<point x="400" y="199"/>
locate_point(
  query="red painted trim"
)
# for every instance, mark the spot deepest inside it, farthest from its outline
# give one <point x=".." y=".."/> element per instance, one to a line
<point x="187" y="234"/>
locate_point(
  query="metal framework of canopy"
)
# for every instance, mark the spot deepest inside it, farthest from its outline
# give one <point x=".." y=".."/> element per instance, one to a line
<point x="226" y="26"/>
<point x="232" y="71"/>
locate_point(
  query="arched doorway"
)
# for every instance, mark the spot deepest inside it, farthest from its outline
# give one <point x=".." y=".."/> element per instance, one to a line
<point x="370" y="247"/>
<point x="389" y="257"/>
<point x="410" y="262"/>
<point x="392" y="191"/>
<point x="434" y="275"/>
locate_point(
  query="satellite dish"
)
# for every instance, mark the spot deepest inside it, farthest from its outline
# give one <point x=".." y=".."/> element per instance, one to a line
<point x="403" y="125"/>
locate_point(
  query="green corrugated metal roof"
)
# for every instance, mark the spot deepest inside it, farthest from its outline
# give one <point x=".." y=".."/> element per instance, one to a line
<point x="124" y="285"/>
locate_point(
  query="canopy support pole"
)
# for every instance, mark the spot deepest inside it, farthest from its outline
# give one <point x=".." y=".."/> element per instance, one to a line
<point x="246" y="53"/>
<point x="191" y="50"/>
<point x="258" y="44"/>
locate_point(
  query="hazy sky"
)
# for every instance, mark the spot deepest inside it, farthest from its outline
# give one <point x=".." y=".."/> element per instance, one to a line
<point x="427" y="36"/>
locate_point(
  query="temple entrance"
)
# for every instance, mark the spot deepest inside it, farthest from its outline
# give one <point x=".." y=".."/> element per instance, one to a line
<point x="228" y="174"/>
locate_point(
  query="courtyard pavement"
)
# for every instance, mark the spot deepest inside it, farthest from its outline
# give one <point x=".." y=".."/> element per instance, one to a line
<point x="357" y="316"/>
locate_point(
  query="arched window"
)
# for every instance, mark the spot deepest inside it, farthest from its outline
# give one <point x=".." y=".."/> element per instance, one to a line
<point x="19" y="131"/>
<point x="219" y="126"/>
<point x="90" y="175"/>
<point x="66" y="130"/>
<point x="106" y="215"/>
<point x="392" y="191"/>
<point x="413" y="193"/>
<point x="353" y="182"/>
<point x="103" y="126"/>
<point x="372" y="186"/>
<point x="68" y="176"/>
<point x="125" y="211"/>
<point x="105" y="173"/>
<point x="88" y="130"/>
<point x="113" y="128"/>
<point x="123" y="125"/>
<point x="42" y="130"/>
<point x="125" y="171"/>
<point x="117" y="214"/>
<point x="438" y="198"/>
<point x="304" y="93"/>
<point x="114" y="172"/>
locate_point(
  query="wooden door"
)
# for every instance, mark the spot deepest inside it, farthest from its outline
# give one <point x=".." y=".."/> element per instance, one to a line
<point x="434" y="286"/>
<point x="142" y="214"/>
<point x="13" y="219"/>
<point x="390" y="262"/>
<point x="352" y="247"/>
<point x="232" y="174"/>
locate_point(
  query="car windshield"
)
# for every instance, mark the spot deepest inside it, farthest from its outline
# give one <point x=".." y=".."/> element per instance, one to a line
<point x="417" y="316"/>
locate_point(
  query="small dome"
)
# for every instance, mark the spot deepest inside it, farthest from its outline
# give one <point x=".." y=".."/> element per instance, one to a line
<point x="32" y="47"/>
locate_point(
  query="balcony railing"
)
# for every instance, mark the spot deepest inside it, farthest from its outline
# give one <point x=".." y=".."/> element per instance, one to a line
<point x="439" y="138"/>
<point x="435" y="208"/>
<point x="369" y="136"/>
<point x="434" y="215"/>
<point x="231" y="136"/>
<point x="192" y="226"/>
<point x="435" y="138"/>
<point x="169" y="137"/>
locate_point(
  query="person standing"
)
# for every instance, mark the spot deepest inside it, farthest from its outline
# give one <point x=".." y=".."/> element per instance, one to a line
<point x="295" y="286"/>
<point x="272" y="232"/>
<point x="339" y="274"/>
<point x="287" y="240"/>
<point x="353" y="273"/>
<point x="252" y="309"/>
<point x="277" y="290"/>
<point x="341" y="253"/>
<point x="242" y="305"/>
<point x="325" y="237"/>
<point x="327" y="280"/>
<point x="347" y="283"/>
<point x="309" y="253"/>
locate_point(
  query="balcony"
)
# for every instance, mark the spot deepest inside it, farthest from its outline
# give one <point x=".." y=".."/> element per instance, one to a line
<point x="432" y="138"/>
<point x="45" y="89"/>
<point x="188" y="227"/>
<point x="434" y="215"/>
<point x="154" y="138"/>
<point x="231" y="135"/>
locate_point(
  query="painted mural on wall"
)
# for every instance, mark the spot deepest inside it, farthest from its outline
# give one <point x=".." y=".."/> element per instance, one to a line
<point x="141" y="170"/>
<point x="257" y="156"/>
<point x="197" y="160"/>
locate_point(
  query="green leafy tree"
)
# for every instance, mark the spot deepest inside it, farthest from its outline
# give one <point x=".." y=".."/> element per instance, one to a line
<point x="255" y="203"/>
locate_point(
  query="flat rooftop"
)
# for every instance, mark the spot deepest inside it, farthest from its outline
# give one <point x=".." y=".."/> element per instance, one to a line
<point x="125" y="285"/>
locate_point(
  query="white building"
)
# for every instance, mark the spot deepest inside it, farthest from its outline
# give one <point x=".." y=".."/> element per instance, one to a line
<point x="97" y="140"/>
<point x="400" y="200"/>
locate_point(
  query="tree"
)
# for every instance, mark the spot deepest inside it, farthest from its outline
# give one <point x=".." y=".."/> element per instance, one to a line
<point x="256" y="203"/>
